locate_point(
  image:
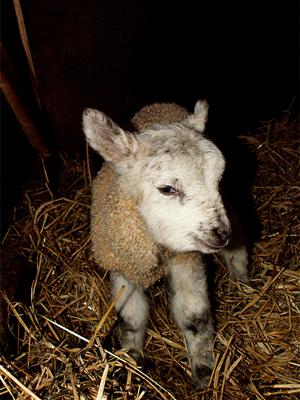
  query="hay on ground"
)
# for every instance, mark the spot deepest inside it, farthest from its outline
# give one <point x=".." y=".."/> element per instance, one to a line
<point x="67" y="347"/>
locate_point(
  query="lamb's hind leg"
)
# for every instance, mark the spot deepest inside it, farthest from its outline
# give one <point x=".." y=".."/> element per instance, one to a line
<point x="236" y="260"/>
<point x="191" y="307"/>
<point x="235" y="254"/>
<point x="132" y="309"/>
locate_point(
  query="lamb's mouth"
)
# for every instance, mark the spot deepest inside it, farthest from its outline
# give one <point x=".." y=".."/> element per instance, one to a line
<point x="207" y="245"/>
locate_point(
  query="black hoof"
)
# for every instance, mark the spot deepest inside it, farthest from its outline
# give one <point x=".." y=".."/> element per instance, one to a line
<point x="201" y="376"/>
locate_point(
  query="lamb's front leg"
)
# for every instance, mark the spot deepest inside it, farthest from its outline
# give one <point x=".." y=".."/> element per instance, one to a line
<point x="132" y="309"/>
<point x="192" y="311"/>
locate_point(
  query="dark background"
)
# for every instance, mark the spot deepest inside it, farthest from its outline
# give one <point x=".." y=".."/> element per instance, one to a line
<point x="120" y="55"/>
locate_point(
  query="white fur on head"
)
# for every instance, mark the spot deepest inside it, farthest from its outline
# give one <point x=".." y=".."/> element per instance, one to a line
<point x="199" y="118"/>
<point x="106" y="137"/>
<point x="176" y="177"/>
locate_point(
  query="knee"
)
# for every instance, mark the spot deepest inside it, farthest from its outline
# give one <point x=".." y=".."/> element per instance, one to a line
<point x="198" y="324"/>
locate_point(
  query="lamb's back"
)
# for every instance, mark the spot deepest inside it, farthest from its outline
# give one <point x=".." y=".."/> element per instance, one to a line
<point x="158" y="113"/>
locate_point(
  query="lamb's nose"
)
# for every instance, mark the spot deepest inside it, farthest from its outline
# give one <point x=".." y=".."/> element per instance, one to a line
<point x="220" y="236"/>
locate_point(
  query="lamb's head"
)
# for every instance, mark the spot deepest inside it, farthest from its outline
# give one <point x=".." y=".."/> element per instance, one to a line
<point x="174" y="173"/>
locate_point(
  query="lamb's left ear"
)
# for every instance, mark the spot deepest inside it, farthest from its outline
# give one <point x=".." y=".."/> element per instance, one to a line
<point x="199" y="118"/>
<point x="106" y="137"/>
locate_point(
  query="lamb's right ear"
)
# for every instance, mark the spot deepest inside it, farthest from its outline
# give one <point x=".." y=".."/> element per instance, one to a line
<point x="106" y="137"/>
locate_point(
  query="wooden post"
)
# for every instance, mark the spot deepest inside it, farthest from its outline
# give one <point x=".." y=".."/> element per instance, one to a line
<point x="18" y="106"/>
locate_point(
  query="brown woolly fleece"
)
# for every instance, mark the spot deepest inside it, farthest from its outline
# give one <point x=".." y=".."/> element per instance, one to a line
<point x="120" y="239"/>
<point x="158" y="113"/>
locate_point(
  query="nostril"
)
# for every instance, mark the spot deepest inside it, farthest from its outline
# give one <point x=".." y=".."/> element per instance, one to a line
<point x="220" y="233"/>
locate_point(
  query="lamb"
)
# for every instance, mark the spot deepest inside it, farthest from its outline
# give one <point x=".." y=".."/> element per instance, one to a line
<point x="157" y="211"/>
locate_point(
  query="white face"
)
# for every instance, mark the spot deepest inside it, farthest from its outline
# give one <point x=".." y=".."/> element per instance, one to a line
<point x="179" y="186"/>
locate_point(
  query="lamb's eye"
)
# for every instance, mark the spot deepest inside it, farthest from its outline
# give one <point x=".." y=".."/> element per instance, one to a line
<point x="167" y="190"/>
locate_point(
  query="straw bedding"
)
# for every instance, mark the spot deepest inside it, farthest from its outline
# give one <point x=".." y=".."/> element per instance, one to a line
<point x="257" y="345"/>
